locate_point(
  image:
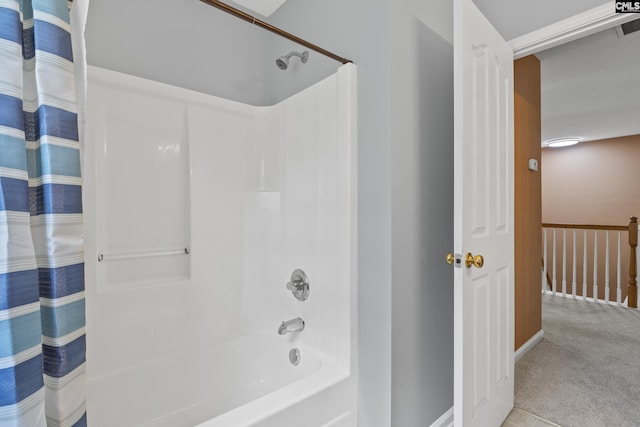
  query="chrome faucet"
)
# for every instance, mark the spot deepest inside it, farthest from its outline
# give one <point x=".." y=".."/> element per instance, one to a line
<point x="293" y="325"/>
<point x="299" y="285"/>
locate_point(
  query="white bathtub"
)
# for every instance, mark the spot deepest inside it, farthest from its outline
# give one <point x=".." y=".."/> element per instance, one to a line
<point x="244" y="381"/>
<point x="181" y="338"/>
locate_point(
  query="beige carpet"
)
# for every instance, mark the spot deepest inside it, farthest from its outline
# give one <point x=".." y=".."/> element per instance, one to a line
<point x="586" y="371"/>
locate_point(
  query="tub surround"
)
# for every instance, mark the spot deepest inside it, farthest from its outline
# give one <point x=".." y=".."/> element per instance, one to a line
<point x="181" y="337"/>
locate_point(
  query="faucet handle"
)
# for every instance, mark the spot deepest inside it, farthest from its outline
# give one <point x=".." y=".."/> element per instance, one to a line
<point x="294" y="286"/>
<point x="299" y="285"/>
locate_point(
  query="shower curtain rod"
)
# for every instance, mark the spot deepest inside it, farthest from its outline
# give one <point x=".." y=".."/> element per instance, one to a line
<point x="253" y="20"/>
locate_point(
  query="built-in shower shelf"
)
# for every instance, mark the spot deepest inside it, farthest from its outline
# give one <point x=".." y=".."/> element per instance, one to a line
<point x="130" y="255"/>
<point x="142" y="184"/>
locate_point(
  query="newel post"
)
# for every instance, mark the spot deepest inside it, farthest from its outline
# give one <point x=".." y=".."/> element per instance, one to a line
<point x="632" y="292"/>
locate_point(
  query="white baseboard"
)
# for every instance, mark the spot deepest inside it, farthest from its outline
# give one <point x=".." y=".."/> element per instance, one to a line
<point x="524" y="348"/>
<point x="446" y="420"/>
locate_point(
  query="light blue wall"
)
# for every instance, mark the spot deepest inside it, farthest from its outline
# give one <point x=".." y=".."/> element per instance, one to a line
<point x="422" y="224"/>
<point x="422" y="210"/>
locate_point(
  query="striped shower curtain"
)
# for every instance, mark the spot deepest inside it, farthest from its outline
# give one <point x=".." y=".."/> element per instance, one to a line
<point x="42" y="310"/>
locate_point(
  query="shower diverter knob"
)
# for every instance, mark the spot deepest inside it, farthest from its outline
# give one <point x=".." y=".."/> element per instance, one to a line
<point x="299" y="285"/>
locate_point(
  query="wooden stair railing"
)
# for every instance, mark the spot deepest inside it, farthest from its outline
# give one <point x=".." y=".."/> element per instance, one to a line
<point x="632" y="229"/>
<point x="632" y="289"/>
<point x="549" y="283"/>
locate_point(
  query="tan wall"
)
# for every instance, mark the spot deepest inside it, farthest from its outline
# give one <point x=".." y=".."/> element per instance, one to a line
<point x="596" y="182"/>
<point x="528" y="309"/>
<point x="593" y="183"/>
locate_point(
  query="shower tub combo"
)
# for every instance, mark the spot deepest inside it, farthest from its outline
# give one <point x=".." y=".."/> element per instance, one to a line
<point x="206" y="219"/>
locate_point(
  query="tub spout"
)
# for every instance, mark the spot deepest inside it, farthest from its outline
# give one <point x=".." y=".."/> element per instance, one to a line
<point x="293" y="325"/>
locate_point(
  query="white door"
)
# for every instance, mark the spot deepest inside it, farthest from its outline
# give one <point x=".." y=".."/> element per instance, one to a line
<point x="483" y="221"/>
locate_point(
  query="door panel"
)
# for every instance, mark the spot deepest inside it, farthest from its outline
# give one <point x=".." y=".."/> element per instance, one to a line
<point x="483" y="220"/>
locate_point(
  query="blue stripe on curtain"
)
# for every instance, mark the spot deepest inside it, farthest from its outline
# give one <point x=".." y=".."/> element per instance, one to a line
<point x="52" y="121"/>
<point x="13" y="153"/>
<point x="59" y="361"/>
<point x="10" y="28"/>
<point x="62" y="320"/>
<point x="82" y="422"/>
<point x="19" y="382"/>
<point x="53" y="39"/>
<point x="54" y="160"/>
<point x="19" y="334"/>
<point x="62" y="281"/>
<point x="12" y="194"/>
<point x="55" y="199"/>
<point x="11" y="114"/>
<point x="14" y="293"/>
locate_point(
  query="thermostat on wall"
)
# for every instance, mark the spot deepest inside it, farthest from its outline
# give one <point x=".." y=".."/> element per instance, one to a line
<point x="533" y="164"/>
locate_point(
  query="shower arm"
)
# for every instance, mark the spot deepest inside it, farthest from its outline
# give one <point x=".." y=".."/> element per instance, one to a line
<point x="253" y="20"/>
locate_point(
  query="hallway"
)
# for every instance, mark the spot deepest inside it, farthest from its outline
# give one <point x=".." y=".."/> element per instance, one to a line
<point x="584" y="372"/>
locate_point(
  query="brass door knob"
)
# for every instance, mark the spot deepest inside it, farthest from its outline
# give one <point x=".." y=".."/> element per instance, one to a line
<point x="476" y="261"/>
<point x="450" y="258"/>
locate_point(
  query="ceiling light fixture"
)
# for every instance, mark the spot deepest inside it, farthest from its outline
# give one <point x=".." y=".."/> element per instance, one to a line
<point x="561" y="142"/>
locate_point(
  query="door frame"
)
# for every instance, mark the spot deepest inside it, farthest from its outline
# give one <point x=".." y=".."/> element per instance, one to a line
<point x="581" y="25"/>
<point x="573" y="28"/>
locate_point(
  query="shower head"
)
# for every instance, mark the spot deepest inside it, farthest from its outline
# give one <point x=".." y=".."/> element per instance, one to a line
<point x="283" y="61"/>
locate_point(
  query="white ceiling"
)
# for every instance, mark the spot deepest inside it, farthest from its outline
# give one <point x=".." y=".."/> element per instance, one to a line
<point x="590" y="87"/>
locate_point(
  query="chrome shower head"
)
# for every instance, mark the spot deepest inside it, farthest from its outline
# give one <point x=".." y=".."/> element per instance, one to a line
<point x="283" y="61"/>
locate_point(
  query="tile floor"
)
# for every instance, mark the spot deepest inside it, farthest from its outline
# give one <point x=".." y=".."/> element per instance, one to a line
<point x="521" y="418"/>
